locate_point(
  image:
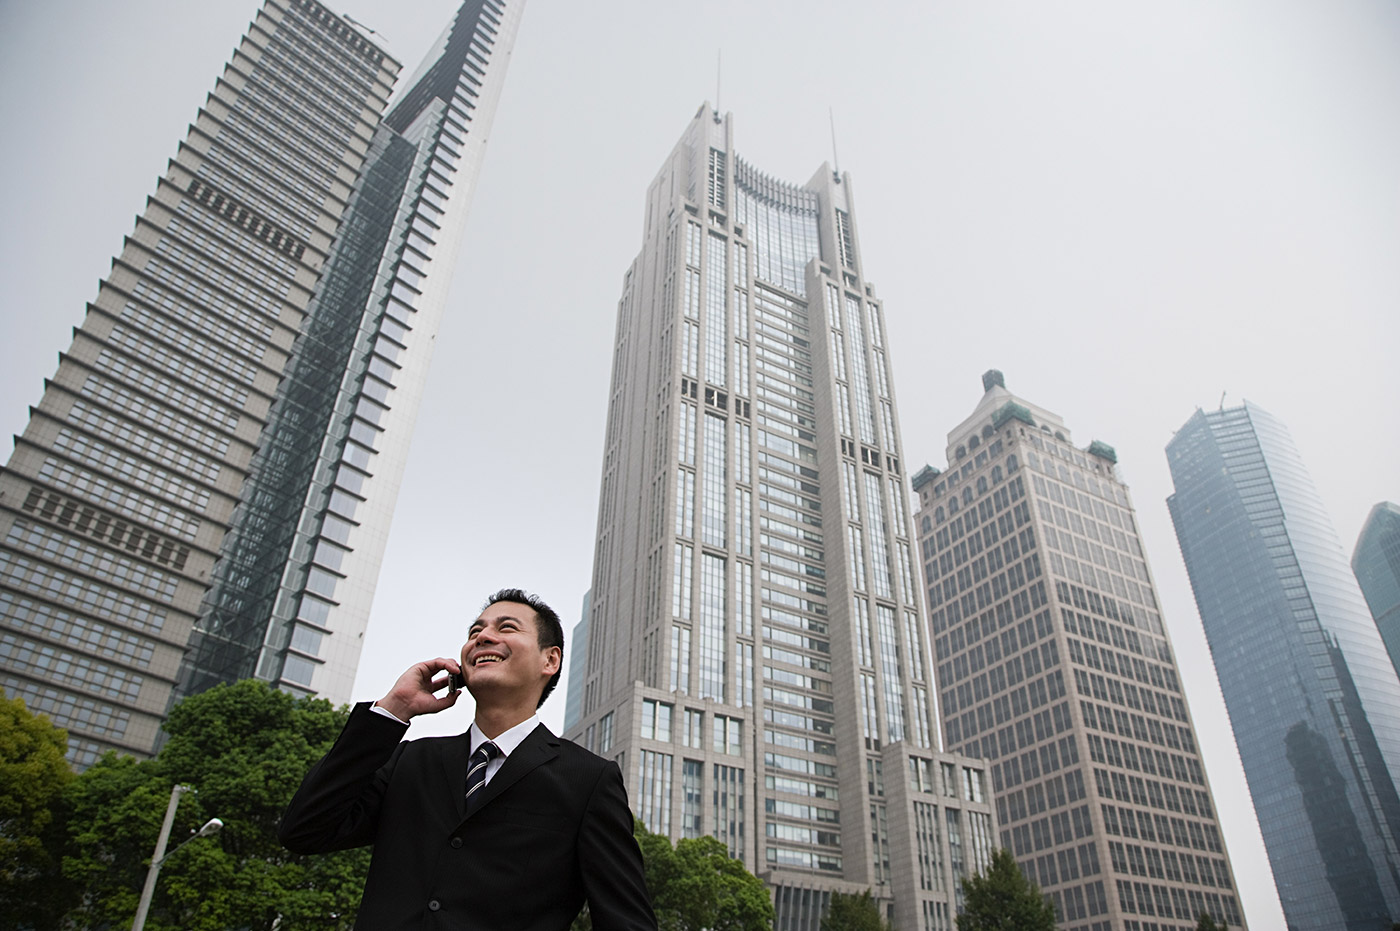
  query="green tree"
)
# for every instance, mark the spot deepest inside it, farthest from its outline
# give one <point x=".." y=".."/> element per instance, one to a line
<point x="854" y="913"/>
<point x="33" y="774"/>
<point x="697" y="885"/>
<point x="244" y="748"/>
<point x="1003" y="899"/>
<point x="1207" y="923"/>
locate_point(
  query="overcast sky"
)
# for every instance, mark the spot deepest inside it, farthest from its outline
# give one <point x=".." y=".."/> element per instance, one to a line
<point x="1131" y="209"/>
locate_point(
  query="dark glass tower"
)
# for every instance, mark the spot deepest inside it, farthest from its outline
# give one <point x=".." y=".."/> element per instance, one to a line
<point x="1312" y="695"/>
<point x="1376" y="561"/>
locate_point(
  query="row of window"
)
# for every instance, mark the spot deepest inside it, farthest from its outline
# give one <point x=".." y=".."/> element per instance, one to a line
<point x="48" y="583"/>
<point x="58" y="547"/>
<point x="1137" y="898"/>
<point x="52" y="664"/>
<point x="148" y="413"/>
<point x="53" y="623"/>
<point x="67" y="710"/>
<point x="104" y="491"/>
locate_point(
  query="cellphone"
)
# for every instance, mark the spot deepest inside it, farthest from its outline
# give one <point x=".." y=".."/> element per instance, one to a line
<point x="456" y="682"/>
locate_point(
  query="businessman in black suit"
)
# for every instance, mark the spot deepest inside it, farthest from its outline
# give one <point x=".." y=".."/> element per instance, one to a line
<point x="503" y="828"/>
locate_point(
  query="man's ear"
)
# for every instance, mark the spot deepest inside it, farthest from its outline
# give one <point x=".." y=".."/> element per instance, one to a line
<point x="554" y="658"/>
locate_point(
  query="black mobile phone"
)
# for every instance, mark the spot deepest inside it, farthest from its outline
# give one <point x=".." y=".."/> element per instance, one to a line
<point x="455" y="681"/>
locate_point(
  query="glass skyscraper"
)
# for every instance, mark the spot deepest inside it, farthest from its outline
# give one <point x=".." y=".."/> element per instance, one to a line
<point x="1055" y="664"/>
<point x="205" y="489"/>
<point x="1376" y="562"/>
<point x="757" y="659"/>
<point x="1313" y="698"/>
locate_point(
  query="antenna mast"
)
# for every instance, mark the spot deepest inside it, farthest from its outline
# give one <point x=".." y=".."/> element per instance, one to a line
<point x="719" y="72"/>
<point x="835" y="159"/>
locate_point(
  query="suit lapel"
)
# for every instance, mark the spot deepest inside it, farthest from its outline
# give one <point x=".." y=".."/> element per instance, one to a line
<point x="539" y="748"/>
<point x="454" y="765"/>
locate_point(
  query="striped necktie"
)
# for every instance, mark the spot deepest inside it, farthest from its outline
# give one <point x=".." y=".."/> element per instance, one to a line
<point x="476" y="769"/>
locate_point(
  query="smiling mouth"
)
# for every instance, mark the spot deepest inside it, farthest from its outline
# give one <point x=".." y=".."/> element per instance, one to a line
<point x="488" y="658"/>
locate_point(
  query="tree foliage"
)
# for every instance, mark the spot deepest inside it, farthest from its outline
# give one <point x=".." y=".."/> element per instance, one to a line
<point x="854" y="913"/>
<point x="697" y="885"/>
<point x="33" y="774"/>
<point x="244" y="748"/>
<point x="1206" y="923"/>
<point x="1003" y="899"/>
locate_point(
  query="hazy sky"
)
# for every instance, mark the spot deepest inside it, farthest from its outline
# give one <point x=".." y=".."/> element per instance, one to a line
<point x="1129" y="208"/>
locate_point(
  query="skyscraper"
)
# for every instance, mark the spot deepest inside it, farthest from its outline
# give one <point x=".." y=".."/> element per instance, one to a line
<point x="1053" y="662"/>
<point x="1312" y="696"/>
<point x="215" y="462"/>
<point x="756" y="657"/>
<point x="1376" y="562"/>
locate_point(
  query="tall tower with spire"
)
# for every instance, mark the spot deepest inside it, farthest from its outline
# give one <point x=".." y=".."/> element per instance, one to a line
<point x="757" y="659"/>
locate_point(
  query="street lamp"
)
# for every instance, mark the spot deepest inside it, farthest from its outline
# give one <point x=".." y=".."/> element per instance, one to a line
<point x="212" y="826"/>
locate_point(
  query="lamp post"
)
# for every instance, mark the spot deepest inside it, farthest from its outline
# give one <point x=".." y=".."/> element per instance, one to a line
<point x="212" y="826"/>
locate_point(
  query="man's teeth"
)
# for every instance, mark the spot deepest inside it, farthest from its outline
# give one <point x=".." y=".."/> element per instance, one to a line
<point x="487" y="659"/>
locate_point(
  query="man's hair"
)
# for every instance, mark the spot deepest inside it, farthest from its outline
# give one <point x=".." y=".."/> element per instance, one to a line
<point x="549" y="631"/>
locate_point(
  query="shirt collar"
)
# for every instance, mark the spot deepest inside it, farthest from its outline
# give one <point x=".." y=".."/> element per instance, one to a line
<point x="509" y="740"/>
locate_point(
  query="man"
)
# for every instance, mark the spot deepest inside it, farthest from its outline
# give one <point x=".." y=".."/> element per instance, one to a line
<point x="546" y="825"/>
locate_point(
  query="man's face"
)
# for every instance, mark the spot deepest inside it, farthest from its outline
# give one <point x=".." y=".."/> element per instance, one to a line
<point x="502" y="656"/>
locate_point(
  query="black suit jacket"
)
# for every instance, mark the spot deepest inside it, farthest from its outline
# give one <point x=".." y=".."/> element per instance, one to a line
<point x="551" y="830"/>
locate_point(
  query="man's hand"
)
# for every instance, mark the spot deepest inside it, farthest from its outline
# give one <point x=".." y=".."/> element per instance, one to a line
<point x="413" y="694"/>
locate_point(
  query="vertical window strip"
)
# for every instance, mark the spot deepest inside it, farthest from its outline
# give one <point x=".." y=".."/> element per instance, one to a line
<point x="921" y="722"/>
<point x="906" y="572"/>
<point x="743" y="442"/>
<point x="890" y="672"/>
<point x="843" y="408"/>
<point x="741" y="307"/>
<point x="856" y="557"/>
<point x="848" y="471"/>
<point x="655" y="775"/>
<point x="865" y="415"/>
<point x="887" y="421"/>
<point x="685" y="503"/>
<point x="680" y="582"/>
<point x="877" y="337"/>
<point x="862" y="612"/>
<point x="712" y="632"/>
<point x="714" y="483"/>
<point x="911" y="636"/>
<point x="680" y="659"/>
<point x="743" y="590"/>
<point x="692" y="797"/>
<point x="743" y="670"/>
<point x="881" y="379"/>
<point x="870" y="725"/>
<point x="715" y="338"/>
<point x="743" y="521"/>
<point x="879" y="547"/>
<point x="838" y="355"/>
<point x="690" y="349"/>
<point x="728" y="808"/>
<point x="687" y="438"/>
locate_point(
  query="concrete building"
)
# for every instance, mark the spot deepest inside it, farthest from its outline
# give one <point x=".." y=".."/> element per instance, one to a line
<point x="757" y="659"/>
<point x="205" y="489"/>
<point x="1312" y="695"/>
<point x="1376" y="562"/>
<point x="1054" y="664"/>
